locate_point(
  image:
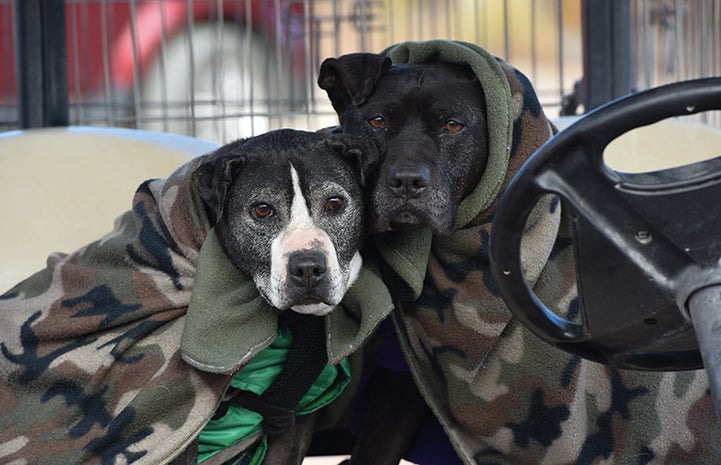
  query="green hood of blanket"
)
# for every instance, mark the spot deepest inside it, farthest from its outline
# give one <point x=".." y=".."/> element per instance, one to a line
<point x="228" y="321"/>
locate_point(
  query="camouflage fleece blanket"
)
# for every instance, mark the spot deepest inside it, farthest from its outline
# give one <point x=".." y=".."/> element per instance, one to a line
<point x="502" y="395"/>
<point x="92" y="368"/>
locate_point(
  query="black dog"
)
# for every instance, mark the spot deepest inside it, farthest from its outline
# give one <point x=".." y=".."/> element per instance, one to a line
<point x="429" y="123"/>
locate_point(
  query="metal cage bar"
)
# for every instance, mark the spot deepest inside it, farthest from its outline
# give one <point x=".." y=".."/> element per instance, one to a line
<point x="41" y="58"/>
<point x="606" y="57"/>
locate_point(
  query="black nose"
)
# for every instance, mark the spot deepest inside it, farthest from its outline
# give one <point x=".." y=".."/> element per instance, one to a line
<point x="307" y="268"/>
<point x="408" y="181"/>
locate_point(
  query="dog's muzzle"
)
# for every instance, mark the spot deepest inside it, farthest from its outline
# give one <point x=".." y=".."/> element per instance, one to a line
<point x="307" y="271"/>
<point x="411" y="197"/>
<point x="309" y="283"/>
<point x="408" y="182"/>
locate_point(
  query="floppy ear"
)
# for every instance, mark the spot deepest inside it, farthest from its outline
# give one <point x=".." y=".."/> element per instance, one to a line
<point x="362" y="154"/>
<point x="349" y="79"/>
<point x="212" y="178"/>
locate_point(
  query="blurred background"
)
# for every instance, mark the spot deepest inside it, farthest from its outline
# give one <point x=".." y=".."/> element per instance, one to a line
<point x="223" y="69"/>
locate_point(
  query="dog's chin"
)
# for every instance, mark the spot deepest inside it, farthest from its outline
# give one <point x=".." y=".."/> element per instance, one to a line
<point x="407" y="220"/>
<point x="318" y="309"/>
<point x="307" y="306"/>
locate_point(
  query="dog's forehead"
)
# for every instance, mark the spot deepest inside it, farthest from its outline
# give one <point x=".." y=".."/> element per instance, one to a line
<point x="418" y="73"/>
<point x="323" y="168"/>
<point x="423" y="83"/>
<point x="314" y="166"/>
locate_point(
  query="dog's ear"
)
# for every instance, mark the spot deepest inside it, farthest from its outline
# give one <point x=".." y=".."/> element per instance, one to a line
<point x="213" y="177"/>
<point x="362" y="154"/>
<point x="349" y="79"/>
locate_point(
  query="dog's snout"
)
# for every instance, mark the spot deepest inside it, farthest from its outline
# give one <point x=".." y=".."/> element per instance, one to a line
<point x="408" y="181"/>
<point x="307" y="268"/>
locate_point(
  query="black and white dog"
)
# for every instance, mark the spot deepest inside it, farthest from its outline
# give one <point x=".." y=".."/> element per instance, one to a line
<point x="288" y="210"/>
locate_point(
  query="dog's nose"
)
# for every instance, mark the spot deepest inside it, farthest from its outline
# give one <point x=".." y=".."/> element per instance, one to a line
<point x="307" y="268"/>
<point x="408" y="181"/>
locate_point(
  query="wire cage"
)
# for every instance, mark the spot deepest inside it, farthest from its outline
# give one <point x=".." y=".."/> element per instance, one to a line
<point x="223" y="69"/>
<point x="676" y="40"/>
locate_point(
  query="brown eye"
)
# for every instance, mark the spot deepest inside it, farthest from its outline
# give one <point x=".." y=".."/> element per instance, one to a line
<point x="452" y="126"/>
<point x="334" y="204"/>
<point x="377" y="122"/>
<point x="262" y="210"/>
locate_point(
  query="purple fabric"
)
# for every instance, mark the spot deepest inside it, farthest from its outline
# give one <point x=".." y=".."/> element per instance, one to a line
<point x="390" y="356"/>
<point x="431" y="445"/>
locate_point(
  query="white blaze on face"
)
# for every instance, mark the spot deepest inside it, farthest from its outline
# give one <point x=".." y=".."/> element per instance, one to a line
<point x="302" y="233"/>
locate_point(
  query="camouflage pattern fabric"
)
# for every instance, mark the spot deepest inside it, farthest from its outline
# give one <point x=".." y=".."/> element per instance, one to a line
<point x="94" y="364"/>
<point x="91" y="369"/>
<point x="502" y="395"/>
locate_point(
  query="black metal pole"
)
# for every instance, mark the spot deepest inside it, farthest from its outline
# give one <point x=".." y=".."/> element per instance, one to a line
<point x="41" y="63"/>
<point x="55" y="68"/>
<point x="606" y="51"/>
<point x="29" y="63"/>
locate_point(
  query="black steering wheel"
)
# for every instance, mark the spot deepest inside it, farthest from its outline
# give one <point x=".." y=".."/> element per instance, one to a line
<point x="643" y="243"/>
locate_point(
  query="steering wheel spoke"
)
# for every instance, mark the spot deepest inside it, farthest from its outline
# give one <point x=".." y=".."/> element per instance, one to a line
<point x="601" y="210"/>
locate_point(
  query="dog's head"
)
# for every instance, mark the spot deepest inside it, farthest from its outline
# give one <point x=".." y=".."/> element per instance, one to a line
<point x="288" y="210"/>
<point x="429" y="123"/>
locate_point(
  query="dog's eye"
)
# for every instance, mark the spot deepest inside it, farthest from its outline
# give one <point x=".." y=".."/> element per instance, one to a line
<point x="262" y="210"/>
<point x="453" y="126"/>
<point x="334" y="204"/>
<point x="377" y="122"/>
